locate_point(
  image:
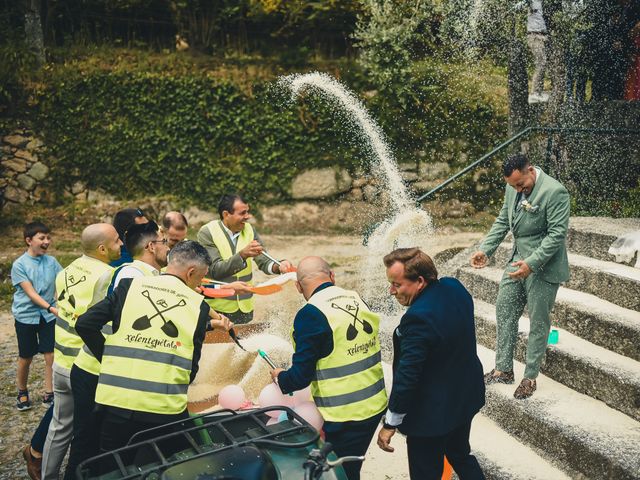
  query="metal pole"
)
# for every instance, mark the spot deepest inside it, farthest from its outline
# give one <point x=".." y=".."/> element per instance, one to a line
<point x="477" y="162"/>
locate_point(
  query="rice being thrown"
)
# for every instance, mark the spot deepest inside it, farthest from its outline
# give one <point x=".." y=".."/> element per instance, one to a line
<point x="225" y="364"/>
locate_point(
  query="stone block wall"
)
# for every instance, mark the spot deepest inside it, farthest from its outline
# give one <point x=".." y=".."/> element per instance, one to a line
<point x="23" y="169"/>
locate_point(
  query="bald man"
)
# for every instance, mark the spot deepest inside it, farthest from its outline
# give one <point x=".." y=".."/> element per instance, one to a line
<point x="337" y="352"/>
<point x="83" y="283"/>
<point x="175" y="227"/>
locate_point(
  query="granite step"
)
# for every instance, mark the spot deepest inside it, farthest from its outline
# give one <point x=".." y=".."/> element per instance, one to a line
<point x="503" y="457"/>
<point x="584" y="315"/>
<point x="576" y="363"/>
<point x="577" y="431"/>
<point x="614" y="282"/>
<point x="592" y="236"/>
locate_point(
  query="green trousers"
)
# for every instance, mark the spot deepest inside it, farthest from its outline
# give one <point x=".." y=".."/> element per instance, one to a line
<point x="513" y="295"/>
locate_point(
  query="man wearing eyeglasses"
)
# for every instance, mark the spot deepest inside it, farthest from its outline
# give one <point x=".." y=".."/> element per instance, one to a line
<point x="149" y="249"/>
<point x="122" y="221"/>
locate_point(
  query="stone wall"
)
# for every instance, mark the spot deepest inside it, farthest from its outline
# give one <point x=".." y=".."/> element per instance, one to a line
<point x="23" y="169"/>
<point x="326" y="184"/>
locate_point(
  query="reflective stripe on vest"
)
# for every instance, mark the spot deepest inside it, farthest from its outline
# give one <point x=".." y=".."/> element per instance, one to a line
<point x="85" y="359"/>
<point x="225" y="246"/>
<point x="158" y="357"/>
<point x="349" y="383"/>
<point x="146" y="364"/>
<point x="67" y="351"/>
<point x="360" y="365"/>
<point x="75" y="287"/>
<point x="349" y="398"/>
<point x="65" y="326"/>
<point x="143" y="385"/>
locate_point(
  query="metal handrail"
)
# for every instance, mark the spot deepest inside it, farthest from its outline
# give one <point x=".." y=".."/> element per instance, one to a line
<point x="519" y="135"/>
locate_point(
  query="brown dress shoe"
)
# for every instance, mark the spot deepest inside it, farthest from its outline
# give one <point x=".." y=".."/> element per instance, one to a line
<point x="502" y="377"/>
<point x="525" y="389"/>
<point x="34" y="465"/>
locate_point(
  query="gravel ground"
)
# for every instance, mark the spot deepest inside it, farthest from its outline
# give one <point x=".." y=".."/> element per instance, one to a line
<point x="16" y="428"/>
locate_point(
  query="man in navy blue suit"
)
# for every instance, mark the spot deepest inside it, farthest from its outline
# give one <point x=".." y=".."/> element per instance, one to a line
<point x="437" y="376"/>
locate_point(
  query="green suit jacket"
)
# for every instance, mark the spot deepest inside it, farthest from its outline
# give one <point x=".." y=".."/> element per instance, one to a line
<point x="539" y="230"/>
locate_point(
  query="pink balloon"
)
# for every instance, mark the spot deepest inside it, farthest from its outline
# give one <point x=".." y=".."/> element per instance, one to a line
<point x="311" y="414"/>
<point x="270" y="396"/>
<point x="301" y="396"/>
<point x="232" y="397"/>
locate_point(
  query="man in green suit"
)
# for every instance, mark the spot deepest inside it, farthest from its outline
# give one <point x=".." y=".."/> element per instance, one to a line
<point x="536" y="211"/>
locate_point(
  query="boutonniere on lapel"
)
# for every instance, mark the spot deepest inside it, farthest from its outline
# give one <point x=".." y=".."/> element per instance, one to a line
<point x="528" y="207"/>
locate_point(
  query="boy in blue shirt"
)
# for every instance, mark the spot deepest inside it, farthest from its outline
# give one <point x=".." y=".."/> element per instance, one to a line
<point x="33" y="276"/>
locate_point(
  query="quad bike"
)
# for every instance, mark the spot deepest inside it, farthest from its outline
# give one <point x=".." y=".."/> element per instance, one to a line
<point x="222" y="445"/>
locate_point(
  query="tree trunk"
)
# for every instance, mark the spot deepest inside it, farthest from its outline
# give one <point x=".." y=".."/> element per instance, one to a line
<point x="33" y="30"/>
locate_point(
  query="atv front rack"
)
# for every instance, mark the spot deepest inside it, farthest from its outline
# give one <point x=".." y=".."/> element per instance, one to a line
<point x="150" y="452"/>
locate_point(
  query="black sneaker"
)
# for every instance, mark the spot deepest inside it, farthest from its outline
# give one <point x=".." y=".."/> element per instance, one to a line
<point x="23" y="402"/>
<point x="47" y="398"/>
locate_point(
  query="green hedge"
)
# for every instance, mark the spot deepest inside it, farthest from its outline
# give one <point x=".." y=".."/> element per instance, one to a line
<point x="194" y="136"/>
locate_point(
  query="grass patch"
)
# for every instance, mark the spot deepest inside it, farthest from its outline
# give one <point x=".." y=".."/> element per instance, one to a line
<point x="6" y="295"/>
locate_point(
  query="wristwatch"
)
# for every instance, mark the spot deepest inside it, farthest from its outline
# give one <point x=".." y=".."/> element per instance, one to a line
<point x="389" y="427"/>
<point x="49" y="309"/>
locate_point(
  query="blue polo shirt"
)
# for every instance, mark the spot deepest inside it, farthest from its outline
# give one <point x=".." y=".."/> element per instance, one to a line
<point x="41" y="272"/>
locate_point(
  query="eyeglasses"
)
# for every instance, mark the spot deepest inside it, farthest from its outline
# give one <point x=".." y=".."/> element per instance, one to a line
<point x="164" y="241"/>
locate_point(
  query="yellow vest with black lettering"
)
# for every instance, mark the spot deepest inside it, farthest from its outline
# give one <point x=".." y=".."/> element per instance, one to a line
<point x="146" y="364"/>
<point x="75" y="286"/>
<point x="349" y="383"/>
<point x="85" y="359"/>
<point x="243" y="302"/>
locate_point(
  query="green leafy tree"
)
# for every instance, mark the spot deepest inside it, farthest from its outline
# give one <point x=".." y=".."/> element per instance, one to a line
<point x="391" y="34"/>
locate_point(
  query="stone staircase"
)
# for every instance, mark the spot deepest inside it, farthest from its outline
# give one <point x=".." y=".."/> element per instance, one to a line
<point x="583" y="422"/>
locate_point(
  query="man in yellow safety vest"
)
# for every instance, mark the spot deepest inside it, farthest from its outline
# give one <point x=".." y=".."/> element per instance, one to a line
<point x="149" y="250"/>
<point x="80" y="285"/>
<point x="234" y="246"/>
<point x="337" y="351"/>
<point x="152" y="356"/>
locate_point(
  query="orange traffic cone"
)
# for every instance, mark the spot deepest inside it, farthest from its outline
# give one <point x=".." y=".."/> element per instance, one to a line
<point x="447" y="471"/>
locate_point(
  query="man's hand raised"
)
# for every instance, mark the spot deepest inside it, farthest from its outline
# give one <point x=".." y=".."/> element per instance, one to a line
<point x="252" y="250"/>
<point x="479" y="260"/>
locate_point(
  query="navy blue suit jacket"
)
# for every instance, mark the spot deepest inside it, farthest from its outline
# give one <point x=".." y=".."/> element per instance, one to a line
<point x="437" y="375"/>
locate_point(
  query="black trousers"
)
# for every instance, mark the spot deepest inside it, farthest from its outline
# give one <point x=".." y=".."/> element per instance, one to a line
<point x="352" y="438"/>
<point x="115" y="432"/>
<point x="40" y="435"/>
<point x="86" y="423"/>
<point x="426" y="455"/>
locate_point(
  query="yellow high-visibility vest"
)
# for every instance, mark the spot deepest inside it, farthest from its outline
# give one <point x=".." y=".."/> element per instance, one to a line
<point x="85" y="359"/>
<point x="75" y="286"/>
<point x="225" y="246"/>
<point x="146" y="364"/>
<point x="348" y="384"/>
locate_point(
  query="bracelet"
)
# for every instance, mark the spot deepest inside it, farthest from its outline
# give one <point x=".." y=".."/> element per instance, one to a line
<point x="49" y="309"/>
